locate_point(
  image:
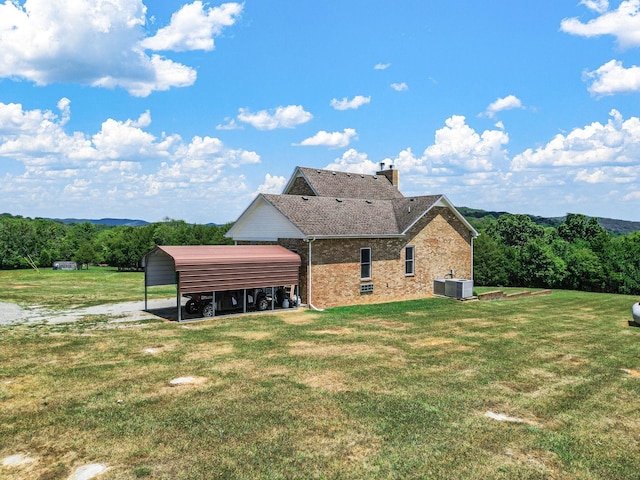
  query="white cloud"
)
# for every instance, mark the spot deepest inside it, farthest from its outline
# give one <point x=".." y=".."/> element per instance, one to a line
<point x="400" y="87"/>
<point x="623" y="23"/>
<point x="381" y="66"/>
<point x="229" y="125"/>
<point x="632" y="196"/>
<point x="333" y="139"/>
<point x="346" y="104"/>
<point x="193" y="28"/>
<point x="78" y="170"/>
<point x="459" y="146"/>
<point x="599" y="6"/>
<point x="615" y="143"/>
<point x="282" y="117"/>
<point x="507" y="103"/>
<point x="353" y="161"/>
<point x="612" y="78"/>
<point x="272" y="184"/>
<point x="101" y="43"/>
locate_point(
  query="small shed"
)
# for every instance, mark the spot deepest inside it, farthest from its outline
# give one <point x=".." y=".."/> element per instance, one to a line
<point x="219" y="268"/>
<point x="65" y="265"/>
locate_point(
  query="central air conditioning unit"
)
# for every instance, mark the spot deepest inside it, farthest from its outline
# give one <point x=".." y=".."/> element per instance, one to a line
<point x="458" y="288"/>
<point x="438" y="286"/>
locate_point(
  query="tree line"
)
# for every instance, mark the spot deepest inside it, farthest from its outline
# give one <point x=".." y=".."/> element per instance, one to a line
<point x="512" y="250"/>
<point x="26" y="242"/>
<point x="578" y="254"/>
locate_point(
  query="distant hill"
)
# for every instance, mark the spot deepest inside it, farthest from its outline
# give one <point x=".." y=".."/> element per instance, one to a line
<point x="111" y="222"/>
<point x="618" y="227"/>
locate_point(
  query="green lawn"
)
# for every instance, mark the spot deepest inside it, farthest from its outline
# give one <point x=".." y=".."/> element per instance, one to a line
<point x="60" y="289"/>
<point x="398" y="390"/>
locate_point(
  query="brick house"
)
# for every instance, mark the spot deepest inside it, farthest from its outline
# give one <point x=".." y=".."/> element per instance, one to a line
<point x="360" y="239"/>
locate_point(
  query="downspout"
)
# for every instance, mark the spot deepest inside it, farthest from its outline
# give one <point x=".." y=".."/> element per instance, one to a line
<point x="310" y="278"/>
<point x="472" y="239"/>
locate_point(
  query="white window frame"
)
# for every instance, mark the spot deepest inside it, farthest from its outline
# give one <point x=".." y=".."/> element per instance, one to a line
<point x="410" y="261"/>
<point x="367" y="264"/>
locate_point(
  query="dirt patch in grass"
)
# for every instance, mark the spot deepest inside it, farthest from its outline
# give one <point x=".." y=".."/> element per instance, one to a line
<point x="208" y="350"/>
<point x="544" y="461"/>
<point x="334" y="331"/>
<point x="386" y="324"/>
<point x="252" y="369"/>
<point x="296" y="317"/>
<point x="348" y="447"/>
<point x="20" y="394"/>
<point x="330" y="380"/>
<point x="249" y="335"/>
<point x="323" y="350"/>
<point x="510" y="335"/>
<point x="431" y="342"/>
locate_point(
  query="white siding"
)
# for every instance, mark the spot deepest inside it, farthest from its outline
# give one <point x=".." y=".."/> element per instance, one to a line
<point x="160" y="269"/>
<point x="264" y="223"/>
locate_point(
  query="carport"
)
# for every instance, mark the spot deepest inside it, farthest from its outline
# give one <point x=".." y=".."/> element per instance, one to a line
<point x="212" y="269"/>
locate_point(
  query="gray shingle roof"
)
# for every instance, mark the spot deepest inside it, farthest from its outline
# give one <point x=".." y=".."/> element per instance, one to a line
<point x="352" y="217"/>
<point x="327" y="183"/>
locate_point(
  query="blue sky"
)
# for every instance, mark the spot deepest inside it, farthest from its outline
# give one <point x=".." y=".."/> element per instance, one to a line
<point x="159" y="108"/>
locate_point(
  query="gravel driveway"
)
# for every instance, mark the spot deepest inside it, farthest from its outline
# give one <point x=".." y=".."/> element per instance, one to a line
<point x="11" y="314"/>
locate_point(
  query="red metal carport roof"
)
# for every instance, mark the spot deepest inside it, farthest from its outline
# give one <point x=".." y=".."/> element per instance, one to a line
<point x="215" y="268"/>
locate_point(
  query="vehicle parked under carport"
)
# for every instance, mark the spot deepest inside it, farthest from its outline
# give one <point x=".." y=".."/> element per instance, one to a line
<point x="225" y="278"/>
<point x="232" y="301"/>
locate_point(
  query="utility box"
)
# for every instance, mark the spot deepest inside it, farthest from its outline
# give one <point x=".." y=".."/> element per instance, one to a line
<point x="438" y="286"/>
<point x="458" y="288"/>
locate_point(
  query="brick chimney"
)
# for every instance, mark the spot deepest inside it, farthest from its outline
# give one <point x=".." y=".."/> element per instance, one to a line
<point x="391" y="174"/>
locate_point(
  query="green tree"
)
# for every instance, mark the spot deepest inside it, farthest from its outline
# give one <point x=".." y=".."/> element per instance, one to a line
<point x="579" y="227"/>
<point x="515" y="230"/>
<point x="540" y="267"/>
<point x="85" y="254"/>
<point x="585" y="271"/>
<point x="490" y="262"/>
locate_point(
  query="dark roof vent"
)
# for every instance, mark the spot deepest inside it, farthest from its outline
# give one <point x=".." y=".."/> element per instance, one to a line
<point x="369" y="202"/>
<point x="348" y="174"/>
<point x="339" y="200"/>
<point x="318" y="171"/>
<point x="412" y="199"/>
<point x="375" y="177"/>
<point x="333" y="173"/>
<point x="305" y="198"/>
<point x="361" y="175"/>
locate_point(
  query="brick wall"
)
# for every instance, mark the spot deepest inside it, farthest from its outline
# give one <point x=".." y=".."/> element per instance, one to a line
<point x="441" y="243"/>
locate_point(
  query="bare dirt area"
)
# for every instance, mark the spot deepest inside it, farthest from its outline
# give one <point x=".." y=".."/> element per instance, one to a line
<point x="11" y="314"/>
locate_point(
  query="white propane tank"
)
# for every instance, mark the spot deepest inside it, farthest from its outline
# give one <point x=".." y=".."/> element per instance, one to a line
<point x="635" y="311"/>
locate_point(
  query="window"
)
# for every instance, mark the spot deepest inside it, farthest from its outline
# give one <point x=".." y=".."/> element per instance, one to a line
<point x="365" y="263"/>
<point x="409" y="260"/>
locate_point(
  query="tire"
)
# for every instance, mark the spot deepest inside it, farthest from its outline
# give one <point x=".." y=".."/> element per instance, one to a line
<point x="192" y="306"/>
<point x="207" y="310"/>
<point x="263" y="303"/>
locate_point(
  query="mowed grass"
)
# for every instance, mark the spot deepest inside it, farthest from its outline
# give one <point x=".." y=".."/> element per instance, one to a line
<point x="59" y="289"/>
<point x="399" y="390"/>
